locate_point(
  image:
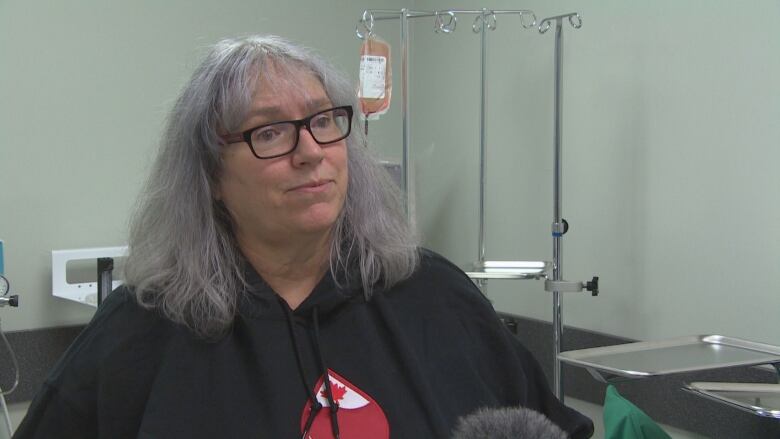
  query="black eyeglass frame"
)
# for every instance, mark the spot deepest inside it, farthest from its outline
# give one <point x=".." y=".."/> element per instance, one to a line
<point x="246" y="136"/>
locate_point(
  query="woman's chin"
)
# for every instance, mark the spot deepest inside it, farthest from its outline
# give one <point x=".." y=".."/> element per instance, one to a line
<point x="317" y="220"/>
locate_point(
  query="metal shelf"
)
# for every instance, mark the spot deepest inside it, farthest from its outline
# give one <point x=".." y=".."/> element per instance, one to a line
<point x="510" y="270"/>
<point x="663" y="357"/>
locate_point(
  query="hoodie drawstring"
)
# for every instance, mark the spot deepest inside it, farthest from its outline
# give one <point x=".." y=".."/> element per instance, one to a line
<point x="334" y="407"/>
<point x="315" y="404"/>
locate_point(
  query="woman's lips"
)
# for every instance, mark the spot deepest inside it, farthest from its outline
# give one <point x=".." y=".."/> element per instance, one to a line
<point x="313" y="187"/>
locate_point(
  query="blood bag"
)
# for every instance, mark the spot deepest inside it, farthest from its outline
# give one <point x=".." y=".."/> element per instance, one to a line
<point x="375" y="77"/>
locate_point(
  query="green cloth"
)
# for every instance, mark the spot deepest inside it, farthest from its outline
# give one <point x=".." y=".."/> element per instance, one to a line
<point x="624" y="420"/>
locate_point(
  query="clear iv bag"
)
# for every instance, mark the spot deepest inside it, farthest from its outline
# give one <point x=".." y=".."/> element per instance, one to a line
<point x="375" y="77"/>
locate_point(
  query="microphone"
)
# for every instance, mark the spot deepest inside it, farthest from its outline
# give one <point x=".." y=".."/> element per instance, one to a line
<point x="507" y="423"/>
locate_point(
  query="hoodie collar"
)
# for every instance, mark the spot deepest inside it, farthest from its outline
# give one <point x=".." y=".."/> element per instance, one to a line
<point x="260" y="299"/>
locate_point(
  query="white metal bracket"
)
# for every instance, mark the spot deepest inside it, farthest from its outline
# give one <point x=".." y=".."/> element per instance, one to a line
<point x="85" y="292"/>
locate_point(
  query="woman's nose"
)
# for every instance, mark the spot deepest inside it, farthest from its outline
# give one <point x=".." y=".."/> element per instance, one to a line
<point x="308" y="150"/>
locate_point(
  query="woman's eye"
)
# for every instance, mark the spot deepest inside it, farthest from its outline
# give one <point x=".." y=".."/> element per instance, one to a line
<point x="322" y="121"/>
<point x="266" y="135"/>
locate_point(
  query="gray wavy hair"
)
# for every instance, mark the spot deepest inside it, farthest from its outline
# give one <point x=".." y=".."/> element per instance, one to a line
<point x="184" y="259"/>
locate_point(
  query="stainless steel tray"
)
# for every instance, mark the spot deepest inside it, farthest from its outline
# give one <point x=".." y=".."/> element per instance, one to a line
<point x="758" y="399"/>
<point x="510" y="270"/>
<point x="685" y="354"/>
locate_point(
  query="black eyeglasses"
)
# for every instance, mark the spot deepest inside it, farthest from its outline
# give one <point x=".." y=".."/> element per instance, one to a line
<point x="279" y="138"/>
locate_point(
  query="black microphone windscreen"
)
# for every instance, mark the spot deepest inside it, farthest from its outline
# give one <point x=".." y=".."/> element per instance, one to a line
<point x="507" y="423"/>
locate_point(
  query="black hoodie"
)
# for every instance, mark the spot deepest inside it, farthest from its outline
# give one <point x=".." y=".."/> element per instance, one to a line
<point x="405" y="364"/>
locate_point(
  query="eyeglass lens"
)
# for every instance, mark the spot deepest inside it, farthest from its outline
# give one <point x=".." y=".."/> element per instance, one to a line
<point x="279" y="138"/>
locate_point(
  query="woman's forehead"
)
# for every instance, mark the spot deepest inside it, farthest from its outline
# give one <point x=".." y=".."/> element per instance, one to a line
<point x="277" y="93"/>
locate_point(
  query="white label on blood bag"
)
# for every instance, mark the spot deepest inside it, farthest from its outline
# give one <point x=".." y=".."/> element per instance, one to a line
<point x="372" y="76"/>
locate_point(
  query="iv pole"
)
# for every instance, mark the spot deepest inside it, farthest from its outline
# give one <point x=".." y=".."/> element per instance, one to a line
<point x="559" y="226"/>
<point x="484" y="25"/>
<point x="408" y="185"/>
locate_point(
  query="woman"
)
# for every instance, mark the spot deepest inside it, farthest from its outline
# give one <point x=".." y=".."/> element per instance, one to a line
<point x="270" y="252"/>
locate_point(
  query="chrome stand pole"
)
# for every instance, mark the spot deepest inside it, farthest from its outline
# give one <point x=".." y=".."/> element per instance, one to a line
<point x="406" y="174"/>
<point x="557" y="216"/>
<point x="559" y="225"/>
<point x="483" y="142"/>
